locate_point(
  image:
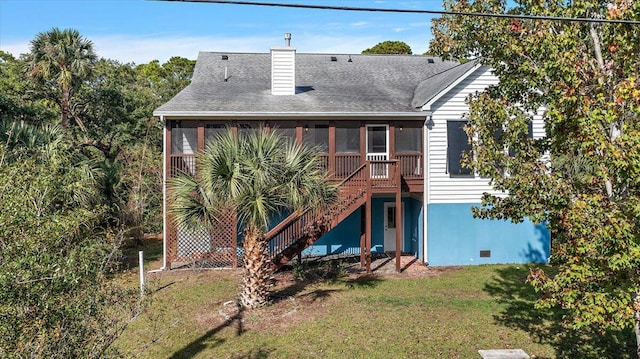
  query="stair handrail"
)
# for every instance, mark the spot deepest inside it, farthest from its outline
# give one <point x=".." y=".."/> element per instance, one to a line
<point x="298" y="214"/>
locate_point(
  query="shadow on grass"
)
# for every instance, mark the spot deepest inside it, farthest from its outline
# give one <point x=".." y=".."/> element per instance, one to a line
<point x="545" y="325"/>
<point x="300" y="286"/>
<point x="364" y="281"/>
<point x="254" y="354"/>
<point x="329" y="272"/>
<point x="208" y="340"/>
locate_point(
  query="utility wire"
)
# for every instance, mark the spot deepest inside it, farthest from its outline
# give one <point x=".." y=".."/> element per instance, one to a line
<point x="408" y="11"/>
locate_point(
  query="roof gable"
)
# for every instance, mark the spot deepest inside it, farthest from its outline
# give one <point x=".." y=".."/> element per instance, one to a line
<point x="432" y="88"/>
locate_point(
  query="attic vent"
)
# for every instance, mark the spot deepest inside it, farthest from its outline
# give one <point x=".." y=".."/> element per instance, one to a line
<point x="334" y="59"/>
<point x="430" y="61"/>
<point x="225" y="57"/>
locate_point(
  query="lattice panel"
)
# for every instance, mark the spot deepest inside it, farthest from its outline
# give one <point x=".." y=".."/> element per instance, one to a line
<point x="216" y="248"/>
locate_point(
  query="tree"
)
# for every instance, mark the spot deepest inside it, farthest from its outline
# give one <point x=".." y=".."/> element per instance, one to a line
<point x="57" y="297"/>
<point x="389" y="48"/>
<point x="17" y="94"/>
<point x="259" y="176"/>
<point x="61" y="58"/>
<point x="583" y="178"/>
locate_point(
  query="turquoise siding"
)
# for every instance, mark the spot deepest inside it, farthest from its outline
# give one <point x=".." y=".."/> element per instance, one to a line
<point x="454" y="237"/>
<point x="345" y="238"/>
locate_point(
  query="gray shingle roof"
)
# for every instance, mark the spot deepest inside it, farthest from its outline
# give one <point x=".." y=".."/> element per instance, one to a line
<point x="367" y="84"/>
<point x="433" y="85"/>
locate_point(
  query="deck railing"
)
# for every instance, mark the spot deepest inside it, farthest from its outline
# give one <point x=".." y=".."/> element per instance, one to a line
<point x="346" y="164"/>
<point x="183" y="163"/>
<point x="410" y="165"/>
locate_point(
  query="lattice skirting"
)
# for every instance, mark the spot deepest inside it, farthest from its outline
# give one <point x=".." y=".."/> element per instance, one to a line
<point x="202" y="248"/>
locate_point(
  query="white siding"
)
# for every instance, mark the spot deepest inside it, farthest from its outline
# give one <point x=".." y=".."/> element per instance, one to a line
<point x="538" y="124"/>
<point x="283" y="74"/>
<point x="442" y="188"/>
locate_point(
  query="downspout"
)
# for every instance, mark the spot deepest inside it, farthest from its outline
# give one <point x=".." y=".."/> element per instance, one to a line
<point x="428" y="122"/>
<point x="164" y="194"/>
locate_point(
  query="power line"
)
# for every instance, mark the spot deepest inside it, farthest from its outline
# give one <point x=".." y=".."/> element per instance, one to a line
<point x="408" y="11"/>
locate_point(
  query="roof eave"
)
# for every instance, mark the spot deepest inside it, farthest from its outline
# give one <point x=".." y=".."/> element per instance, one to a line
<point x="436" y="97"/>
<point x="227" y="114"/>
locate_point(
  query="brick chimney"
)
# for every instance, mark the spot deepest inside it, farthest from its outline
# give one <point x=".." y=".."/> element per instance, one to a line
<point x="283" y="68"/>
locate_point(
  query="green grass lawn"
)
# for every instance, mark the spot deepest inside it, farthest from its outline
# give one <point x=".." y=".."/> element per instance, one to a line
<point x="447" y="314"/>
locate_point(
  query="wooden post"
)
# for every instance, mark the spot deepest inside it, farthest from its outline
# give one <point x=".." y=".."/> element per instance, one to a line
<point x="200" y="136"/>
<point x="234" y="128"/>
<point x="392" y="140"/>
<point x="332" y="148"/>
<point x="363" y="231"/>
<point x="299" y="132"/>
<point x="363" y="139"/>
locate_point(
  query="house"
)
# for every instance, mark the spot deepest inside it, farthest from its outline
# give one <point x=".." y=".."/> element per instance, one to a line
<point x="391" y="131"/>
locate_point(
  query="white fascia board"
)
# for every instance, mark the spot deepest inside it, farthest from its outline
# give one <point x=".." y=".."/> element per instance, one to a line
<point x="427" y="106"/>
<point x="425" y="193"/>
<point x="272" y="115"/>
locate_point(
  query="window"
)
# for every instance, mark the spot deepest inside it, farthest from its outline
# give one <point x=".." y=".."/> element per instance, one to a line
<point x="348" y="138"/>
<point x="184" y="140"/>
<point x="408" y="138"/>
<point x="457" y="144"/>
<point x="317" y="135"/>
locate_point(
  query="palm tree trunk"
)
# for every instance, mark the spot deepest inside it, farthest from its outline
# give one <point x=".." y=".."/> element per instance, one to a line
<point x="257" y="271"/>
<point x="64" y="108"/>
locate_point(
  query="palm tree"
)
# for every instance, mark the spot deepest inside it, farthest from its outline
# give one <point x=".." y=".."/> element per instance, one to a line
<point x="65" y="57"/>
<point x="258" y="175"/>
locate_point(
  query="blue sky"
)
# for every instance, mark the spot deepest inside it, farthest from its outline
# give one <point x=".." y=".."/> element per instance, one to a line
<point x="142" y="30"/>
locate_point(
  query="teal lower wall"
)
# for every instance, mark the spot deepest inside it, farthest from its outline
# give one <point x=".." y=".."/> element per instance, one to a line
<point x="454" y="237"/>
<point x="345" y="238"/>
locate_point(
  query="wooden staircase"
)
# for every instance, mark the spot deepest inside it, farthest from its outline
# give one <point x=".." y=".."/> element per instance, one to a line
<point x="301" y="229"/>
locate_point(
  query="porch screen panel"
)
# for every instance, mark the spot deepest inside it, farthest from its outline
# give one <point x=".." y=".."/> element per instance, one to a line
<point x="184" y="144"/>
<point x="347" y="148"/>
<point x="457" y="145"/>
<point x="184" y="140"/>
<point x="286" y="130"/>
<point x="408" y="139"/>
<point x="213" y="131"/>
<point x="246" y="128"/>
<point x="317" y="135"/>
<point x="347" y="139"/>
<point x="408" y="146"/>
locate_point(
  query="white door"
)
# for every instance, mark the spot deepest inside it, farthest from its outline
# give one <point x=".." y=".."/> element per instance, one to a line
<point x="390" y="226"/>
<point x="378" y="149"/>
